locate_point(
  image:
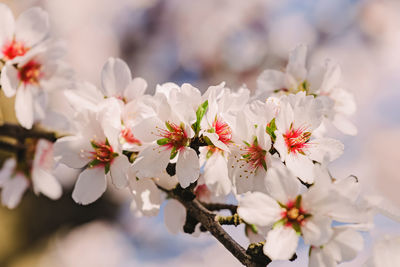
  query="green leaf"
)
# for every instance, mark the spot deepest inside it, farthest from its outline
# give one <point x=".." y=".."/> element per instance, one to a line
<point x="271" y="128"/>
<point x="199" y="116"/>
<point x="162" y="141"/>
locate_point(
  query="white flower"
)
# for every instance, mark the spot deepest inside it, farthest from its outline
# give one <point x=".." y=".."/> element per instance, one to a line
<point x="344" y="245"/>
<point x="291" y="214"/>
<point x="31" y="77"/>
<point x="249" y="158"/>
<point x="43" y="179"/>
<point x="96" y="149"/>
<point x="13" y="184"/>
<point x="385" y="253"/>
<point x="323" y="82"/>
<point x="20" y="36"/>
<point x="298" y="117"/>
<point x="169" y="133"/>
<point x="174" y="216"/>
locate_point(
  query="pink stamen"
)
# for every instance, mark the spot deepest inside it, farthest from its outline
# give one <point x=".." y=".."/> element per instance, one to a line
<point x="175" y="135"/>
<point x="296" y="140"/>
<point x="30" y="73"/>
<point x="255" y="156"/>
<point x="103" y="153"/>
<point x="14" y="49"/>
<point x="129" y="137"/>
<point x="223" y="130"/>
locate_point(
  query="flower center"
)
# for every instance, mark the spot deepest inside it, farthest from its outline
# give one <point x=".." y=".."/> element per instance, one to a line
<point x="30" y="73"/>
<point x="293" y="214"/>
<point x="102" y="155"/>
<point x="174" y="137"/>
<point x="14" y="49"/>
<point x="296" y="140"/>
<point x="223" y="130"/>
<point x="254" y="156"/>
<point x="128" y="136"/>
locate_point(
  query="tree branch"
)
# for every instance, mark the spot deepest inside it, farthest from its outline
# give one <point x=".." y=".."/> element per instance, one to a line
<point x="18" y="132"/>
<point x="220" y="206"/>
<point x="209" y="221"/>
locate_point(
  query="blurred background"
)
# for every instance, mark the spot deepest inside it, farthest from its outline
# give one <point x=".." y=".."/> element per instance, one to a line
<point x="206" y="42"/>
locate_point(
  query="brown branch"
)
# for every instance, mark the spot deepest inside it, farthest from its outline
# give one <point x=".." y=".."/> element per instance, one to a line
<point x="220" y="206"/>
<point x="18" y="132"/>
<point x="209" y="221"/>
<point x="10" y="147"/>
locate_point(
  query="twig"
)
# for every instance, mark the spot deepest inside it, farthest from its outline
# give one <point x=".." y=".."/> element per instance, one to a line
<point x="17" y="132"/>
<point x="220" y="206"/>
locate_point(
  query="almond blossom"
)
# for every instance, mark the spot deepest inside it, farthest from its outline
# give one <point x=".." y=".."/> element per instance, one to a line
<point x="19" y="36"/>
<point x="298" y="117"/>
<point x="97" y="150"/>
<point x="291" y="214"/>
<point x="323" y="82"/>
<point x="14" y="180"/>
<point x="168" y="134"/>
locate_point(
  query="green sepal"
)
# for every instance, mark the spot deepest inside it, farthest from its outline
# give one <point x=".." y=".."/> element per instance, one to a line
<point x="271" y="128"/>
<point x="298" y="202"/>
<point x="282" y="205"/>
<point x="94" y="163"/>
<point x="209" y="154"/>
<point x="107" y="168"/>
<point x="162" y="141"/>
<point x="174" y="152"/>
<point x="297" y="228"/>
<point x="169" y="127"/>
<point x="264" y="164"/>
<point x="281" y="222"/>
<point x="94" y="145"/>
<point x="201" y="110"/>
<point x="107" y="143"/>
<point x="246" y="143"/>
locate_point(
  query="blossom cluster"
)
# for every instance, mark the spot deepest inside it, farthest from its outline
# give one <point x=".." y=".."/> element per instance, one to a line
<point x="268" y="150"/>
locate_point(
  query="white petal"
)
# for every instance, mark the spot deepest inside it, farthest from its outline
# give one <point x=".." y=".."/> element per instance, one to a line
<point x="320" y="259"/>
<point x="7" y="24"/>
<point x="297" y="61"/>
<point x="119" y="171"/>
<point x="174" y="216"/>
<point x="258" y="208"/>
<point x="32" y="26"/>
<point x="187" y="167"/>
<point x="68" y="150"/>
<point x="301" y="166"/>
<point x="350" y="242"/>
<point x="268" y="81"/>
<point x="344" y="125"/>
<point x="317" y="230"/>
<point x="214" y="138"/>
<point x="325" y="147"/>
<point x="135" y="89"/>
<point x="216" y="175"/>
<point x="166" y="181"/>
<point x="115" y="77"/>
<point x="6" y="170"/>
<point x="280" y="183"/>
<point x="44" y="182"/>
<point x="9" y="80"/>
<point x="151" y="161"/>
<point x="281" y="243"/>
<point x="146" y="196"/>
<point x="24" y="106"/>
<point x="90" y="186"/>
<point x="13" y="190"/>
